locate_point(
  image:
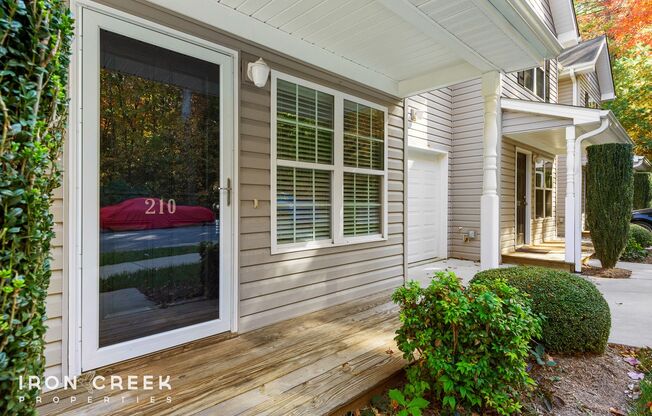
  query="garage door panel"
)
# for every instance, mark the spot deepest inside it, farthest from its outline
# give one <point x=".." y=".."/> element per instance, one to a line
<point x="427" y="205"/>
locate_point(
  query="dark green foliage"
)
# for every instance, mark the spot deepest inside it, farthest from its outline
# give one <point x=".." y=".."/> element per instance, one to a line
<point x="472" y="343"/>
<point x="642" y="190"/>
<point x="35" y="39"/>
<point x="633" y="251"/>
<point x="577" y="318"/>
<point x="609" y="189"/>
<point x="641" y="235"/>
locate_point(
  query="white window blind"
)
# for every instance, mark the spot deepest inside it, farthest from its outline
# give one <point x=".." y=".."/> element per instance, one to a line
<point x="328" y="167"/>
<point x="543" y="185"/>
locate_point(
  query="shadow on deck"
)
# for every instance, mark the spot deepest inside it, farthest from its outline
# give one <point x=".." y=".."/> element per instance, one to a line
<point x="548" y="254"/>
<point x="311" y="365"/>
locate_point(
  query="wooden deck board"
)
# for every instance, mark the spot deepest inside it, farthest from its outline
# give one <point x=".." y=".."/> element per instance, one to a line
<point x="309" y="365"/>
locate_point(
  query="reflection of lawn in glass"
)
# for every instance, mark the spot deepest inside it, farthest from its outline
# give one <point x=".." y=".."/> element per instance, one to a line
<point x="117" y="257"/>
<point x="163" y="286"/>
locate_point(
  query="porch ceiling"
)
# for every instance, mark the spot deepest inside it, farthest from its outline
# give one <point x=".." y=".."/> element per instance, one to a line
<point x="400" y="47"/>
<point x="543" y="125"/>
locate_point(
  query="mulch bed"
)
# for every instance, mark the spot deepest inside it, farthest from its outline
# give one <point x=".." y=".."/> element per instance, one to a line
<point x="576" y="385"/>
<point x="614" y="273"/>
<point x="584" y="385"/>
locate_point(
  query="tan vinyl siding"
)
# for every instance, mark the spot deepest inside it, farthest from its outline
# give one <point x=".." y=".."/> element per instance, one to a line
<point x="54" y="303"/>
<point x="560" y="194"/>
<point x="589" y="83"/>
<point x="281" y="286"/>
<point x="511" y="88"/>
<point x="278" y="287"/>
<point x="542" y="9"/>
<point x="436" y="130"/>
<point x="566" y="91"/>
<point x="466" y="168"/>
<point x="543" y="229"/>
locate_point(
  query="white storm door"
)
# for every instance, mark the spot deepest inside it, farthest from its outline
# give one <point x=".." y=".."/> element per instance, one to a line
<point x="157" y="167"/>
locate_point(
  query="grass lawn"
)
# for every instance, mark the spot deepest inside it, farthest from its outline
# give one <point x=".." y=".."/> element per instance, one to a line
<point x="117" y="257"/>
<point x="185" y="275"/>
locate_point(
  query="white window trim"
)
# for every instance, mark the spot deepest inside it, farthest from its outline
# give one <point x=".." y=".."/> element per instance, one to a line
<point x="543" y="188"/>
<point x="533" y="90"/>
<point x="338" y="169"/>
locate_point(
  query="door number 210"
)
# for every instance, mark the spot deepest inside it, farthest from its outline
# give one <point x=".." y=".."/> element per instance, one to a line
<point x="151" y="206"/>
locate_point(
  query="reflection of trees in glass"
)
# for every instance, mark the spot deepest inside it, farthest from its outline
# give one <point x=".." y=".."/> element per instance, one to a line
<point x="157" y="140"/>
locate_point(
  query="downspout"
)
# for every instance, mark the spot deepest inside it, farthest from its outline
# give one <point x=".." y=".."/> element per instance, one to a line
<point x="574" y="81"/>
<point x="406" y="136"/>
<point x="577" y="237"/>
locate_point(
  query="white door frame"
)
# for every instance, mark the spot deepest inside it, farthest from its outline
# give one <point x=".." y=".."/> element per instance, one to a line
<point x="527" y="238"/>
<point x="444" y="175"/>
<point x="82" y="190"/>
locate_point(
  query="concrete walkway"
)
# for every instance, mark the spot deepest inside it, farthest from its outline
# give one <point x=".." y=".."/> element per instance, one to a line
<point x="630" y="300"/>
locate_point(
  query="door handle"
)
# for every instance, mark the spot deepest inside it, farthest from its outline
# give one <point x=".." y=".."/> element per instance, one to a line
<point x="228" y="190"/>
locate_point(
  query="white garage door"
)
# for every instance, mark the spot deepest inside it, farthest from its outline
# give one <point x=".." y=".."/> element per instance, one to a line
<point x="427" y="205"/>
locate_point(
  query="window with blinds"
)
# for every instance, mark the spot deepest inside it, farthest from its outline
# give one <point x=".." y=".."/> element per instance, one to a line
<point x="543" y="188"/>
<point x="329" y="173"/>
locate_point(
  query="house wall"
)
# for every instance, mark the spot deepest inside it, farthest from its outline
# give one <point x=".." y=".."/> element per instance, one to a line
<point x="589" y="83"/>
<point x="435" y="129"/>
<point x="271" y="287"/>
<point x="542" y="229"/>
<point x="565" y="94"/>
<point x="466" y="168"/>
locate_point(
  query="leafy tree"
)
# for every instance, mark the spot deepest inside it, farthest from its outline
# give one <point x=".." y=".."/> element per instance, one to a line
<point x="628" y="26"/>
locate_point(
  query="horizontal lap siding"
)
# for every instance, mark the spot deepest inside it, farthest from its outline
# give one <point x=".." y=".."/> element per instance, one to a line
<point x="435" y="129"/>
<point x="561" y="194"/>
<point x="281" y="286"/>
<point x="466" y="168"/>
<point x="566" y="92"/>
<point x="54" y="304"/>
<point x="589" y="83"/>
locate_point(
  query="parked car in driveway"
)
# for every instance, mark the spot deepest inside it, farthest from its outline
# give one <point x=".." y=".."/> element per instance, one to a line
<point x="642" y="217"/>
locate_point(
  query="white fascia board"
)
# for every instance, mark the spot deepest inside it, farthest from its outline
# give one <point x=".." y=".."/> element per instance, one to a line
<point x="245" y="27"/>
<point x="579" y="115"/>
<point x="584" y="68"/>
<point x="619" y="131"/>
<point x="438" y="78"/>
<point x="429" y="27"/>
<point x="527" y="22"/>
<point x="568" y="39"/>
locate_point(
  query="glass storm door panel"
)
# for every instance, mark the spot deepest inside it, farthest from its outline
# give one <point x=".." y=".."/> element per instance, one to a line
<point x="159" y="190"/>
<point x="156" y="162"/>
<point x="521" y="197"/>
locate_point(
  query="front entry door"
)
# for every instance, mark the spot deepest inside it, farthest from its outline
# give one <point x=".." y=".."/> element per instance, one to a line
<point x="157" y="134"/>
<point x="521" y="197"/>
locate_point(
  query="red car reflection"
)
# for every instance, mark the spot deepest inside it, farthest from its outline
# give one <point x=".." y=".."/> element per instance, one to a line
<point x="152" y="213"/>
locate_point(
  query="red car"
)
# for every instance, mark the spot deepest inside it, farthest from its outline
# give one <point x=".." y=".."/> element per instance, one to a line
<point x="152" y="213"/>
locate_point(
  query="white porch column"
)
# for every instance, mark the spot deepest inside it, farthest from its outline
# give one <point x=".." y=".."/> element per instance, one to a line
<point x="489" y="201"/>
<point x="569" y="220"/>
<point x="577" y="212"/>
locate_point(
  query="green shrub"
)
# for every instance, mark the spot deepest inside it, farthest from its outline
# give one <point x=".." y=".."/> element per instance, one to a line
<point x="576" y="316"/>
<point x="642" y="190"/>
<point x="633" y="251"/>
<point x="640" y="235"/>
<point x="35" y="39"/>
<point x="609" y="189"/>
<point x="472" y="343"/>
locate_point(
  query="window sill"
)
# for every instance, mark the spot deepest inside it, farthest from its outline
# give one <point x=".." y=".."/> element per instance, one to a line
<point x="315" y="245"/>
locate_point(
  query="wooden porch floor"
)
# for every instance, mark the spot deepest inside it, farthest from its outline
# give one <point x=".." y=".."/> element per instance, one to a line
<point x="549" y="254"/>
<point x="311" y="365"/>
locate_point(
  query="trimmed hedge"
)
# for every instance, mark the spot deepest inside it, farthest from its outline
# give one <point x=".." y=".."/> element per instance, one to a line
<point x="640" y="235"/>
<point x="642" y="190"/>
<point x="577" y="317"/>
<point x="609" y="190"/>
<point x="35" y="38"/>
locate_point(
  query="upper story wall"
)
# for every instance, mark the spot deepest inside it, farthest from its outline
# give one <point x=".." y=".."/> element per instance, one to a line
<point x="512" y="89"/>
<point x="589" y="87"/>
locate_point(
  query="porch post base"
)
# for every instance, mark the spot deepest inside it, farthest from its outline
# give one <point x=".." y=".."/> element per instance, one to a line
<point x="489" y="224"/>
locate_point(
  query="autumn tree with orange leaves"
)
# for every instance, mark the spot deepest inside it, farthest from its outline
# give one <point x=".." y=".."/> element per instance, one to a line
<point x="628" y="26"/>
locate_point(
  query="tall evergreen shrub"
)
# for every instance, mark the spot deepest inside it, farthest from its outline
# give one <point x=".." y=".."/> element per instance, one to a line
<point x="609" y="190"/>
<point x="35" y="39"/>
<point x="642" y="190"/>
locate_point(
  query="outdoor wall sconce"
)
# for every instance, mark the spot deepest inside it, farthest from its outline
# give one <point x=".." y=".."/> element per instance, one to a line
<point x="415" y="115"/>
<point x="258" y="72"/>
